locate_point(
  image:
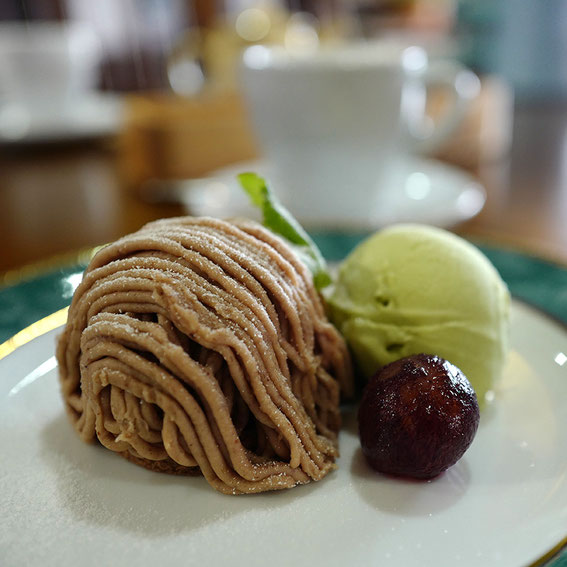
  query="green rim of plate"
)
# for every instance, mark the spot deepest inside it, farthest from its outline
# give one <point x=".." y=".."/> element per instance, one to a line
<point x="532" y="279"/>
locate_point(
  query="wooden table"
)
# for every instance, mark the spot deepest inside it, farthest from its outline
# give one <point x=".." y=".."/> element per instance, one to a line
<point x="58" y="199"/>
<point x="527" y="193"/>
<point x="61" y="198"/>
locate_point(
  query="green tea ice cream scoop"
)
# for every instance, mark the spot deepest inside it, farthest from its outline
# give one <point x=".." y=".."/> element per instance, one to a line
<point x="412" y="289"/>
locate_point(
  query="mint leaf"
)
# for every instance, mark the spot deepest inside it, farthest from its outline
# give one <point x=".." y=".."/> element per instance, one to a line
<point x="255" y="187"/>
<point x="280" y="221"/>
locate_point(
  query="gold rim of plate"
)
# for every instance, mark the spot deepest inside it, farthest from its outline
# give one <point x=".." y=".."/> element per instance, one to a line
<point x="33" y="270"/>
<point x="33" y="331"/>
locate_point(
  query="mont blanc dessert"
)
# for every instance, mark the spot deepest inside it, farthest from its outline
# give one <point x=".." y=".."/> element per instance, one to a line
<point x="201" y="346"/>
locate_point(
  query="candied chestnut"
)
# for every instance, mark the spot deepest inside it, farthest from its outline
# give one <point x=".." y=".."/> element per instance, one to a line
<point x="417" y="417"/>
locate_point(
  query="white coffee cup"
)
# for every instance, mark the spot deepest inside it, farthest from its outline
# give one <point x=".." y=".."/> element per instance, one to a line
<point x="333" y="123"/>
<point x="45" y="69"/>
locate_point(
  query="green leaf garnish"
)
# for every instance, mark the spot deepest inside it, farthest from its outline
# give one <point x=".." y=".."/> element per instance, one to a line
<point x="280" y="221"/>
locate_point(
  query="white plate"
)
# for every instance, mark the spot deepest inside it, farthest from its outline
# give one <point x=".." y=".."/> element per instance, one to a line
<point x="422" y="190"/>
<point x="92" y="116"/>
<point x="504" y="504"/>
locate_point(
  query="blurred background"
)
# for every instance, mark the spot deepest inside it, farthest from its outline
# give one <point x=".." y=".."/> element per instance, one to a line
<point x="109" y="109"/>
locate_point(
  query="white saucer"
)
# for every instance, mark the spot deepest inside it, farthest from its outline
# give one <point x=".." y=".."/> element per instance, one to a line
<point x="422" y="190"/>
<point x="92" y="116"/>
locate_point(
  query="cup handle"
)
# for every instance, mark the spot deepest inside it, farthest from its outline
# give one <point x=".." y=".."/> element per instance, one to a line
<point x="464" y="86"/>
